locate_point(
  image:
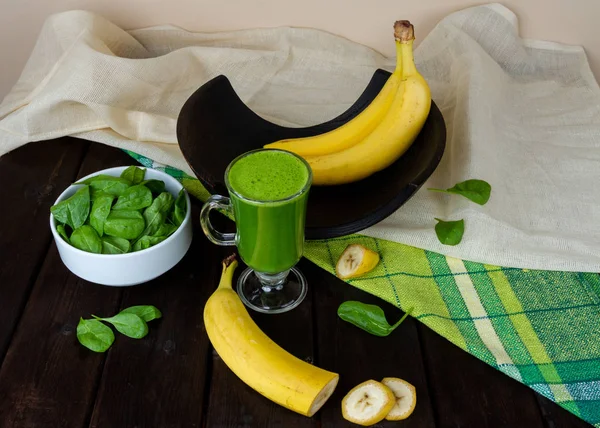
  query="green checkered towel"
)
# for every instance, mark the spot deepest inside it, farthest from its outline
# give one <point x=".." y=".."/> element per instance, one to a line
<point x="541" y="328"/>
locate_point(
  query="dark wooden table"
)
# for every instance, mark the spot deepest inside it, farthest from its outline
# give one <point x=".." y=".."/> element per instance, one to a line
<point x="172" y="377"/>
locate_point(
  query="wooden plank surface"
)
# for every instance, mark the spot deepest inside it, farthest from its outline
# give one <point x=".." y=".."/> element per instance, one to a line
<point x="556" y="417"/>
<point x="48" y="379"/>
<point x="32" y="177"/>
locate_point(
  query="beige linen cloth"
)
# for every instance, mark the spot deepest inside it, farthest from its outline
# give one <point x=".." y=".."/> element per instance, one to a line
<point x="523" y="115"/>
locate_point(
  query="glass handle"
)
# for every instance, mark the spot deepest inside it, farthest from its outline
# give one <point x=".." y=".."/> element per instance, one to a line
<point x="214" y="236"/>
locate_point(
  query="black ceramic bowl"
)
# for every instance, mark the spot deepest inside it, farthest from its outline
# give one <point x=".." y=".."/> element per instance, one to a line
<point x="215" y="126"/>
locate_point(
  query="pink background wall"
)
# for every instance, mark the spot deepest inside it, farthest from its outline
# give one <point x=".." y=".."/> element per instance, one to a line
<point x="363" y="21"/>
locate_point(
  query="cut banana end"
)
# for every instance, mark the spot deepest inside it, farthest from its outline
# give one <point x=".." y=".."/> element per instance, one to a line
<point x="356" y="260"/>
<point x="405" y="398"/>
<point x="368" y="403"/>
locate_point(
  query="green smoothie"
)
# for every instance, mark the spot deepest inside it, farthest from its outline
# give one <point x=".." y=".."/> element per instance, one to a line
<point x="269" y="191"/>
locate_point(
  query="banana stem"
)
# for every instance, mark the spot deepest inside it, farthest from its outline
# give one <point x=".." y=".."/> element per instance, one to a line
<point x="404" y="31"/>
<point x="229" y="266"/>
<point x="398" y="69"/>
<point x="408" y="61"/>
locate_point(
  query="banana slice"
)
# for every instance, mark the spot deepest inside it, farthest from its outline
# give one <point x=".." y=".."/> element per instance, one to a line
<point x="356" y="260"/>
<point x="406" y="398"/>
<point x="368" y="403"/>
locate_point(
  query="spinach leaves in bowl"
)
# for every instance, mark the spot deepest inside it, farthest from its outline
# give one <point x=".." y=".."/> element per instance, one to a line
<point x="118" y="215"/>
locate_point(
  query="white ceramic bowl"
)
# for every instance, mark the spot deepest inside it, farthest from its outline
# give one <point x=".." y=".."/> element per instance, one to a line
<point x="132" y="268"/>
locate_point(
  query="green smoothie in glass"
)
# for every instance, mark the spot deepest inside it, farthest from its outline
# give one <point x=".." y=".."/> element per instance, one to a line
<point x="268" y="193"/>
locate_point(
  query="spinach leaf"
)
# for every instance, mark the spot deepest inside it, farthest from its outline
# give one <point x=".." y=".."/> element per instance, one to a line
<point x="155" y="186"/>
<point x="95" y="194"/>
<point x="147" y="241"/>
<point x="114" y="245"/>
<point x="107" y="184"/>
<point x="134" y="198"/>
<point x="63" y="232"/>
<point x="163" y="202"/>
<point x="85" y="238"/>
<point x="124" y="224"/>
<point x="156" y="213"/>
<point x="179" y="209"/>
<point x="477" y="191"/>
<point x="73" y="210"/>
<point x="128" y="324"/>
<point x="450" y="232"/>
<point x="100" y="210"/>
<point x="153" y="219"/>
<point x="134" y="174"/>
<point x="165" y="230"/>
<point x="370" y="318"/>
<point x="145" y="312"/>
<point x="94" y="335"/>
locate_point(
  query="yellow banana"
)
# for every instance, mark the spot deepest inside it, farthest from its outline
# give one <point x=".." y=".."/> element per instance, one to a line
<point x="256" y="359"/>
<point x="351" y="132"/>
<point x="392" y="136"/>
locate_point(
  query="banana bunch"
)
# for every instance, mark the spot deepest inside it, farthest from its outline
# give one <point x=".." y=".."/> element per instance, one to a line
<point x="377" y="136"/>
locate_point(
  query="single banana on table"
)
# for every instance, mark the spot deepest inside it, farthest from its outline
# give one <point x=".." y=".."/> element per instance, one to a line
<point x="256" y="359"/>
<point x="375" y="147"/>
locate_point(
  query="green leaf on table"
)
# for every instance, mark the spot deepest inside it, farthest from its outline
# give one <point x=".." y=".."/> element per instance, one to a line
<point x="100" y="211"/>
<point x="134" y="198"/>
<point x="128" y="324"/>
<point x="145" y="312"/>
<point x="85" y="238"/>
<point x="450" y="232"/>
<point x="146" y="242"/>
<point x="108" y="184"/>
<point x="155" y="186"/>
<point x="63" y="233"/>
<point x="73" y="210"/>
<point x="477" y="191"/>
<point x="114" y="245"/>
<point x="94" y="335"/>
<point x="370" y="318"/>
<point x="134" y="174"/>
<point x="179" y="209"/>
<point x="124" y="224"/>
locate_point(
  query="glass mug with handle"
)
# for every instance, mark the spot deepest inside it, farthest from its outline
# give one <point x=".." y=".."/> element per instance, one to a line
<point x="268" y="192"/>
